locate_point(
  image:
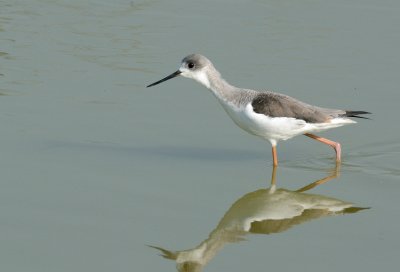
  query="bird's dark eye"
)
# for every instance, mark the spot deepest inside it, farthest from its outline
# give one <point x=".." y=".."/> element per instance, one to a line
<point x="191" y="65"/>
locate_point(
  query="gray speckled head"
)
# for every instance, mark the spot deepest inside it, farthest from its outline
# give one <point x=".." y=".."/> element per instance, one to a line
<point x="199" y="68"/>
<point x="195" y="62"/>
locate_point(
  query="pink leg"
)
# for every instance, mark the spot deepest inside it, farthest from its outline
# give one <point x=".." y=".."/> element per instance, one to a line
<point x="333" y="144"/>
<point x="274" y="156"/>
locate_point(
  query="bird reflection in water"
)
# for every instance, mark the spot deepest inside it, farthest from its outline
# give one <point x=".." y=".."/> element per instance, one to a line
<point x="264" y="211"/>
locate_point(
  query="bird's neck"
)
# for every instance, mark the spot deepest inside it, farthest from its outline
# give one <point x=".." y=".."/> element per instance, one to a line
<point x="222" y="89"/>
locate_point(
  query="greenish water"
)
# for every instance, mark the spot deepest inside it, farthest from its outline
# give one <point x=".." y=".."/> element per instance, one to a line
<point x="95" y="167"/>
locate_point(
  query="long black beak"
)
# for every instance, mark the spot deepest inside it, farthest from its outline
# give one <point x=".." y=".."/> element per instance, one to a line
<point x="177" y="73"/>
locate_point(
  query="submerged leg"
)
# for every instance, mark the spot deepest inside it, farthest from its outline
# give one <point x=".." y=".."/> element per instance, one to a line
<point x="274" y="156"/>
<point x="333" y="144"/>
<point x="273" y="176"/>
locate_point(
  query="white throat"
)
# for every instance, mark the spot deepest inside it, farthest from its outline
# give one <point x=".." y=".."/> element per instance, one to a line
<point x="199" y="76"/>
<point x="202" y="78"/>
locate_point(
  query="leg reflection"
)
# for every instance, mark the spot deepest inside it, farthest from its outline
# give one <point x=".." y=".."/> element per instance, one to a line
<point x="334" y="174"/>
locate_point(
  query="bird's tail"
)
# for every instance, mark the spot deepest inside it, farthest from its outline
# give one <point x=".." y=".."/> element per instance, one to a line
<point x="356" y="114"/>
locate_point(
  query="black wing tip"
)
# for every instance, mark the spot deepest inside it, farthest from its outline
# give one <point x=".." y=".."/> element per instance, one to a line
<point x="356" y="114"/>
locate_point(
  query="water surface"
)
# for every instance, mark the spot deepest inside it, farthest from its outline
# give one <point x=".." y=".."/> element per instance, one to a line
<point x="95" y="167"/>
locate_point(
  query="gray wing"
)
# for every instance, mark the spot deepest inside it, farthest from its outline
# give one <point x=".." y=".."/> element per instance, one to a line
<point x="279" y="105"/>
